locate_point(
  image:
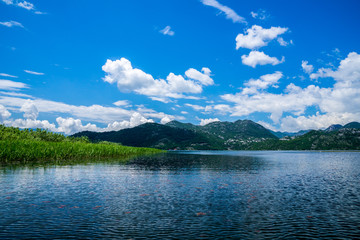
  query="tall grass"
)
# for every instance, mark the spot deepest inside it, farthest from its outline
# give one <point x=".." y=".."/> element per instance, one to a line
<point x="26" y="146"/>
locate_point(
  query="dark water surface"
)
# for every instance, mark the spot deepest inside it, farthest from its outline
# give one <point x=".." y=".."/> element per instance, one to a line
<point x="187" y="195"/>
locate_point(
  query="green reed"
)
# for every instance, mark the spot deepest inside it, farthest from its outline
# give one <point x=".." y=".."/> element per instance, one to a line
<point x="26" y="146"/>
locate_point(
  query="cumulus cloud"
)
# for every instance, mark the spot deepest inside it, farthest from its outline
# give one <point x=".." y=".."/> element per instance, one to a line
<point x="4" y="113"/>
<point x="264" y="81"/>
<point x="203" y="77"/>
<point x="70" y="125"/>
<point x="116" y="118"/>
<point x="167" y="31"/>
<point x="30" y="110"/>
<point x="229" y="13"/>
<point x="307" y="68"/>
<point x="256" y="37"/>
<point x="30" y="123"/>
<point x="204" y="122"/>
<point x="11" y="85"/>
<point x="337" y="104"/>
<point x="260" y="58"/>
<point x="11" y="24"/>
<point x="34" y="73"/>
<point x="95" y="113"/>
<point x="129" y="79"/>
<point x="317" y="121"/>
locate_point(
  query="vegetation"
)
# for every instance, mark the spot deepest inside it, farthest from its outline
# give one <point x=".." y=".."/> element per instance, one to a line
<point x="343" y="139"/>
<point x="24" y="146"/>
<point x="156" y="136"/>
<point x="177" y="135"/>
<point x="239" y="135"/>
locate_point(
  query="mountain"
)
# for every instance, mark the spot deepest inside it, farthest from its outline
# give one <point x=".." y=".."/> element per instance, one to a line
<point x="342" y="139"/>
<point x="333" y="127"/>
<point x="352" y="125"/>
<point x="216" y="135"/>
<point x="156" y="136"/>
<point x="290" y="134"/>
<point x="239" y="135"/>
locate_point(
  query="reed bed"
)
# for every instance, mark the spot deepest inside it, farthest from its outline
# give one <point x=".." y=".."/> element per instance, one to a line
<point x="26" y="146"/>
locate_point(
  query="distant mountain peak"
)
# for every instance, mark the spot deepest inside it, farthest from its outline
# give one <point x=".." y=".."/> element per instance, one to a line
<point x="333" y="127"/>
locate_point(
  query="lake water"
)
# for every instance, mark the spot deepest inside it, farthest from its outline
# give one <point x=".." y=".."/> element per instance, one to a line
<point x="187" y="195"/>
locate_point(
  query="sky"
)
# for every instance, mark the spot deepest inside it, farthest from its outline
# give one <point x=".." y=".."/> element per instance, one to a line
<point x="71" y="66"/>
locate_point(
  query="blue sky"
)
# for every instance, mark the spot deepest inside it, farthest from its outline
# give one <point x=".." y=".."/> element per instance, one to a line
<point x="70" y="66"/>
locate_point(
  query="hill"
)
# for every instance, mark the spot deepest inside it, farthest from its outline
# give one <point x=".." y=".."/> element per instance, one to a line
<point x="177" y="135"/>
<point x="342" y="139"/>
<point x="239" y="135"/>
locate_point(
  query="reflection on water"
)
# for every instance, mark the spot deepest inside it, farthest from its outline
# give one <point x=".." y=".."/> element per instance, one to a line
<point x="191" y="195"/>
<point x="183" y="161"/>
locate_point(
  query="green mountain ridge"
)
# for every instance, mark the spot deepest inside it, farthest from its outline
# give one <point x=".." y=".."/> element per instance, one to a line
<point x="177" y="135"/>
<point x="238" y="135"/>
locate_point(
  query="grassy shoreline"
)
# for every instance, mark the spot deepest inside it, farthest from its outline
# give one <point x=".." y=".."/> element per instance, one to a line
<point x="28" y="146"/>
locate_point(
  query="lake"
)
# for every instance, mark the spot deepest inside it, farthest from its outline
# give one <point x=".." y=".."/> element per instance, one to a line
<point x="187" y="195"/>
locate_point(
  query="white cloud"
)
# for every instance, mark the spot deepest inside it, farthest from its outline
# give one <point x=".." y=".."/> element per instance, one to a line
<point x="260" y="58"/>
<point x="204" y="122"/>
<point x="30" y="110"/>
<point x="307" y="68"/>
<point x="29" y="123"/>
<point x="4" y="113"/>
<point x="260" y="14"/>
<point x="282" y="42"/>
<point x="34" y="73"/>
<point x="122" y="103"/>
<point x="116" y="117"/>
<point x="184" y="112"/>
<point x="167" y="31"/>
<point x="317" y="121"/>
<point x="8" y="2"/>
<point x="95" y="113"/>
<point x="337" y="104"/>
<point x="264" y="81"/>
<point x="11" y="85"/>
<point x="257" y="37"/>
<point x="195" y="107"/>
<point x="11" y="24"/>
<point x="135" y="120"/>
<point x="15" y="94"/>
<point x="23" y="4"/>
<point x="26" y="5"/>
<point x="8" y="75"/>
<point x="295" y="102"/>
<point x="165" y="120"/>
<point x="71" y="126"/>
<point x="129" y="79"/>
<point x="267" y="125"/>
<point x="230" y="14"/>
<point x="204" y="77"/>
<point x="68" y="125"/>
<point x="221" y="108"/>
